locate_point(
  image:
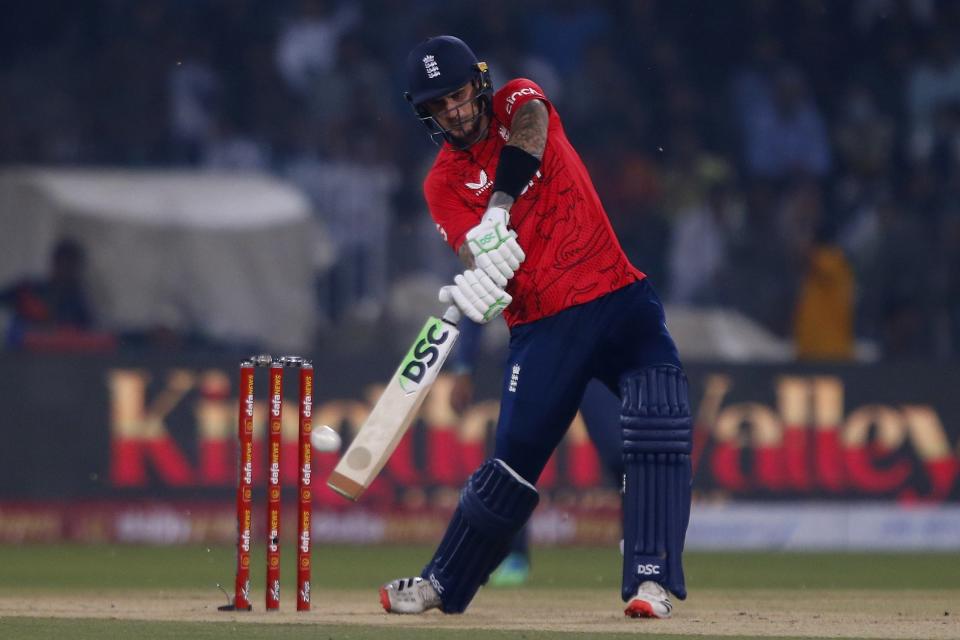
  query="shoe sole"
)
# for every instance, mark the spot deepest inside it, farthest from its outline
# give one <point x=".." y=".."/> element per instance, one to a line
<point x="641" y="609"/>
<point x="385" y="600"/>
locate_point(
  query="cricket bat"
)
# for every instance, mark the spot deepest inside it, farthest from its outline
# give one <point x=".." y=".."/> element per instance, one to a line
<point x="379" y="436"/>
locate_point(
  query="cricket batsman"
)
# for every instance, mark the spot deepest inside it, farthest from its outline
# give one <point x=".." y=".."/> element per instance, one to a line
<point x="511" y="196"/>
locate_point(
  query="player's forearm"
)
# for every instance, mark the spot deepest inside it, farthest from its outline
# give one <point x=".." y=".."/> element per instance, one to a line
<point x="466" y="256"/>
<point x="501" y="199"/>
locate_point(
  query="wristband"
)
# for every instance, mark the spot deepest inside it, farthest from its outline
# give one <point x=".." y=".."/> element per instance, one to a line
<point x="514" y="171"/>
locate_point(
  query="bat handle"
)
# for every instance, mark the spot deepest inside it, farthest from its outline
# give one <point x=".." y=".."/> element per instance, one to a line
<point x="452" y="315"/>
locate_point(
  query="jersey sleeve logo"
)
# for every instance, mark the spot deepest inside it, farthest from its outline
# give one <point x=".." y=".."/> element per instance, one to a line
<point x="526" y="91"/>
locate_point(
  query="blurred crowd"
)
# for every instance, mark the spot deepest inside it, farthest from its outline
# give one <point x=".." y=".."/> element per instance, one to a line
<point x="798" y="161"/>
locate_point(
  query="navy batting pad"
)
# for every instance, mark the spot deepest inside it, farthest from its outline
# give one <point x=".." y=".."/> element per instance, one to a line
<point x="657" y="439"/>
<point x="494" y="505"/>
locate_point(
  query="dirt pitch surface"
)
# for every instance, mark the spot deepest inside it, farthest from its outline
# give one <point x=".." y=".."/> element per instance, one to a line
<point x="795" y="613"/>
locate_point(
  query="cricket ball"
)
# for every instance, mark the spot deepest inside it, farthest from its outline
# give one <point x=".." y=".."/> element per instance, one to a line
<point x="325" y="439"/>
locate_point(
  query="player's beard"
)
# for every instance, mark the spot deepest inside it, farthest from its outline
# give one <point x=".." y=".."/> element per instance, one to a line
<point x="464" y="132"/>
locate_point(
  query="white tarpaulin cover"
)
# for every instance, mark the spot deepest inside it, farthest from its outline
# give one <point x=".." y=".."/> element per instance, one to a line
<point x="225" y="255"/>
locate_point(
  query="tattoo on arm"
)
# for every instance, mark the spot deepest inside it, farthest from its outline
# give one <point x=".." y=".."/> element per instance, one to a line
<point x="529" y="130"/>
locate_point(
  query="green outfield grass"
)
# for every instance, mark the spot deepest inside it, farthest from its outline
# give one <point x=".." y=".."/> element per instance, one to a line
<point x="192" y="567"/>
<point x="40" y="571"/>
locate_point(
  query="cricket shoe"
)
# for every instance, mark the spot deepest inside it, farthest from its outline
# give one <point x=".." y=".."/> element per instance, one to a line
<point x="651" y="601"/>
<point x="408" y="595"/>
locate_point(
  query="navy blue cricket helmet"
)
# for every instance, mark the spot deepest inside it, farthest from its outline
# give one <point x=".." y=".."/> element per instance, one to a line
<point x="438" y="66"/>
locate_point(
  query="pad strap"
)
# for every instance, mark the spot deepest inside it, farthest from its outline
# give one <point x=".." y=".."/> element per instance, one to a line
<point x="655" y="416"/>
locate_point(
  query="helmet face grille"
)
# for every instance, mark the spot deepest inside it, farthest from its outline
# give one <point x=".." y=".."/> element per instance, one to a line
<point x="439" y="133"/>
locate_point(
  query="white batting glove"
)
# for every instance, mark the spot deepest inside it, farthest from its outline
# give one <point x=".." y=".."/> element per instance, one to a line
<point x="494" y="246"/>
<point x="476" y="295"/>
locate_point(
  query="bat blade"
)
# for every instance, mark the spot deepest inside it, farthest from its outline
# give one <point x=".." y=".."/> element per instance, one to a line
<point x="390" y="418"/>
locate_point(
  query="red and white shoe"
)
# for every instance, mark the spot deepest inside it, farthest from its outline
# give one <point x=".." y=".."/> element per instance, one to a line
<point x="408" y="595"/>
<point x="651" y="601"/>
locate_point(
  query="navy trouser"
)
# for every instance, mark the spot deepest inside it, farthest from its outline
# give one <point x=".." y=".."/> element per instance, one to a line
<point x="601" y="413"/>
<point x="552" y="360"/>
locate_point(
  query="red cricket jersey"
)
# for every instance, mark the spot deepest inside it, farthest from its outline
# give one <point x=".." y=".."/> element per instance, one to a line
<point x="573" y="255"/>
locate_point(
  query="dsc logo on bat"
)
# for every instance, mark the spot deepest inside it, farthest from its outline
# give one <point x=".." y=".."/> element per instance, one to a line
<point x="424" y="355"/>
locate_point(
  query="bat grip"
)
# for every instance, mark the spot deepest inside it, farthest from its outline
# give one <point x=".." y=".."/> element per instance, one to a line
<point x="452" y="315"/>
